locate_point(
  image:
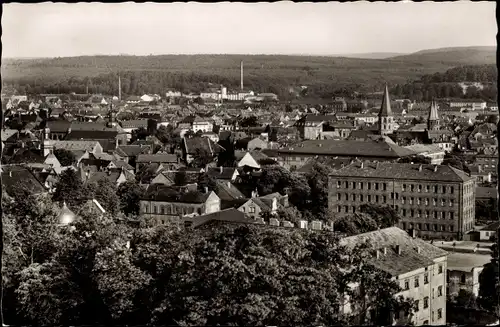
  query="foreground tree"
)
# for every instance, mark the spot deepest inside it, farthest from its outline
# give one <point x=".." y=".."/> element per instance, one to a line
<point x="130" y="194"/>
<point x="70" y="189"/>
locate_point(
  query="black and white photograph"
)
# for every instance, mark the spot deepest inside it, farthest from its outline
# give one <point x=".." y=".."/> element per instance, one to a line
<point x="249" y="164"/>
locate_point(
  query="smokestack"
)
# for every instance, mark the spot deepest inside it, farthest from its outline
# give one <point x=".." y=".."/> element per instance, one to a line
<point x="241" y="77"/>
<point x="119" y="88"/>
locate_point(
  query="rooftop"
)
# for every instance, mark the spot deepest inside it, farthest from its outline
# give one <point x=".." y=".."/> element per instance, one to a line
<point x="390" y="170"/>
<point x="466" y="261"/>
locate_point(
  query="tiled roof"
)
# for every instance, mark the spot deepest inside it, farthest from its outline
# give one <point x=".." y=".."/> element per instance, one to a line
<point x="390" y="170"/>
<point x="25" y="155"/>
<point x="134" y="123"/>
<point x="59" y="126"/>
<point x="92" y="135"/>
<point x="201" y="143"/>
<point x="393" y="263"/>
<point x="466" y="261"/>
<point x="99" y="175"/>
<point x="158" y="158"/>
<point x="227" y="191"/>
<point x="13" y="176"/>
<point x="348" y="148"/>
<point x="132" y="150"/>
<point x="75" y="145"/>
<point x="421" y="148"/>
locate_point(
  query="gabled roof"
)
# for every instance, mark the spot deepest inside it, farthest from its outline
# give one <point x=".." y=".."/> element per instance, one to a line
<point x="75" y="145"/>
<point x="224" y="173"/>
<point x="158" y="192"/>
<point x="134" y="123"/>
<point x="433" y="112"/>
<point x="191" y="144"/>
<point x="25" y="155"/>
<point x="132" y="150"/>
<point x="228" y="215"/>
<point x="391" y="170"/>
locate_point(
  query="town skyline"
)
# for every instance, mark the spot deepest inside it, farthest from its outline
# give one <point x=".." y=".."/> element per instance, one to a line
<point x="282" y="28"/>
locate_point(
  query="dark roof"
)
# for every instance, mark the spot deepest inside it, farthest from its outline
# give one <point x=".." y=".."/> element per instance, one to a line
<point x="228" y="215"/>
<point x="318" y="118"/>
<point x="227" y="191"/>
<point x="25" y="155"/>
<point x="13" y="176"/>
<point x="134" y="123"/>
<point x="91" y="134"/>
<point x="391" y="170"/>
<point x="194" y="143"/>
<point x="159" y="158"/>
<point x="492" y="227"/>
<point x="351" y="148"/>
<point x="58" y="126"/>
<point x="221" y="172"/>
<point x="385" y="109"/>
<point x="132" y="150"/>
<point x="159" y="192"/>
<point x="99" y="175"/>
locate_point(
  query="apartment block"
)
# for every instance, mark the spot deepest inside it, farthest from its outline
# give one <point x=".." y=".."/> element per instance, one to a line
<point x="433" y="201"/>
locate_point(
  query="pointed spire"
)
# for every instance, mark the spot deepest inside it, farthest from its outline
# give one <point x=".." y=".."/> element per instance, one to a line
<point x="385" y="109"/>
<point x="433" y="112"/>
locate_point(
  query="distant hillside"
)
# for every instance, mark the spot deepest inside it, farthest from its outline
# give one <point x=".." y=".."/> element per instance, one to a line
<point x="456" y="56"/>
<point x="371" y="55"/>
<point x="262" y="73"/>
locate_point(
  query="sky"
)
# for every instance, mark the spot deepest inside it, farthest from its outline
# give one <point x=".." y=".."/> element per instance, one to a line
<point x="61" y="30"/>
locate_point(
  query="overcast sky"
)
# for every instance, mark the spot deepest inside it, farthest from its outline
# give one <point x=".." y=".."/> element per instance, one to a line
<point x="58" y="29"/>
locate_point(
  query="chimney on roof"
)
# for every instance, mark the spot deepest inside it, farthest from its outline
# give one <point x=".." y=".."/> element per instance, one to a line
<point x="221" y="169"/>
<point x="362" y="166"/>
<point x="420" y="168"/>
<point x="10" y="173"/>
<point x="206" y="189"/>
<point x="435" y="168"/>
<point x="398" y="249"/>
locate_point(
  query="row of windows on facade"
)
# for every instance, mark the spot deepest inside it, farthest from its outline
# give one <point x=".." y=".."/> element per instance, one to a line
<point x="250" y="209"/>
<point x="405" y="187"/>
<point x="394" y="196"/>
<point x="407" y="213"/>
<point x="171" y="210"/>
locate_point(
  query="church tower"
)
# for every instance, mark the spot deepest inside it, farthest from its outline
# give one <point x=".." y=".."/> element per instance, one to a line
<point x="433" y="119"/>
<point x="111" y="116"/>
<point x="47" y="145"/>
<point x="385" y="116"/>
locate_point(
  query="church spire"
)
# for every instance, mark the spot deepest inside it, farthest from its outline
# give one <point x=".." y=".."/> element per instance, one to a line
<point x="385" y="109"/>
<point x="433" y="119"/>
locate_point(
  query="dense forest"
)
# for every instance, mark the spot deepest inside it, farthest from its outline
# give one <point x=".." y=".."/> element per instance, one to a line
<point x="445" y="85"/>
<point x="283" y="75"/>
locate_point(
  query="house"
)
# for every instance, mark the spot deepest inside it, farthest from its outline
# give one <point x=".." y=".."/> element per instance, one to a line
<point x="161" y="204"/>
<point x="228" y="174"/>
<point x="480" y="175"/>
<point x="192" y="145"/>
<point x="89" y="146"/>
<point x="129" y="126"/>
<point x="489" y="232"/>
<point x="115" y="177"/>
<point x="463" y="272"/>
<point x="130" y="152"/>
<point x="196" y="123"/>
<point x="310" y="126"/>
<point x="254" y="207"/>
<point x="418" y="267"/>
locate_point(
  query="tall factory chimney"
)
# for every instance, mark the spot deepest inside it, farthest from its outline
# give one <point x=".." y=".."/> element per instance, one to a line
<point x="241" y="77"/>
<point x="119" y="88"/>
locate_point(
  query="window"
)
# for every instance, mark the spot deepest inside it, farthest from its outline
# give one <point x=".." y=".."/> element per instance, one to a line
<point x="407" y="285"/>
<point x="353" y="197"/>
<point x="434" y="201"/>
<point x="346" y="209"/>
<point x="451" y="228"/>
<point x="346" y="184"/>
<point x="339" y="184"/>
<point x="440" y="291"/>
<point x="426" y="302"/>
<point x="353" y="185"/>
<point x="462" y="279"/>
<point x="376" y="186"/>
<point x="385" y="186"/>
<point x="338" y="196"/>
<point x="417" y="306"/>
<point x="451" y="203"/>
<point x="426" y="322"/>
<point x="419" y="188"/>
<point x="384" y="199"/>
<point x="435" y="189"/>
<point x="417" y="281"/>
<point x="252" y="209"/>
<point x="339" y="208"/>
<point x="404" y="212"/>
<point x="419" y="212"/>
<point x="444" y="189"/>
<point x="426" y="201"/>
<point x="376" y="198"/>
<point x="427" y="188"/>
<point x="440" y="269"/>
<point x="403" y="199"/>
<point x="435" y="214"/>
<point x="418" y="201"/>
<point x="361" y="185"/>
<point x="361" y="197"/>
<point x="427" y="213"/>
<point x="412" y="187"/>
<point x="404" y="225"/>
<point x="404" y="187"/>
<point x="346" y="196"/>
<point x="369" y="186"/>
<point x="440" y="313"/>
<point x="435" y="227"/>
<point x="426" y="278"/>
<point x="411" y="200"/>
<point x="369" y="198"/>
<point x="432" y="315"/>
<point x="419" y="226"/>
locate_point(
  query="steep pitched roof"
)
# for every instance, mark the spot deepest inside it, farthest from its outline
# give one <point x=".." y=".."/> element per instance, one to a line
<point x="75" y="145"/>
<point x="385" y="108"/>
<point x="433" y="112"/>
<point x="228" y="215"/>
<point x="13" y="176"/>
<point x="391" y="170"/>
<point x="158" y="158"/>
<point x="132" y="150"/>
<point x="221" y="172"/>
<point x="191" y="144"/>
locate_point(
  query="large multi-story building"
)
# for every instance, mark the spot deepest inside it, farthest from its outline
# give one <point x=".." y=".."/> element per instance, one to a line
<point x="436" y="202"/>
<point x="418" y="267"/>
